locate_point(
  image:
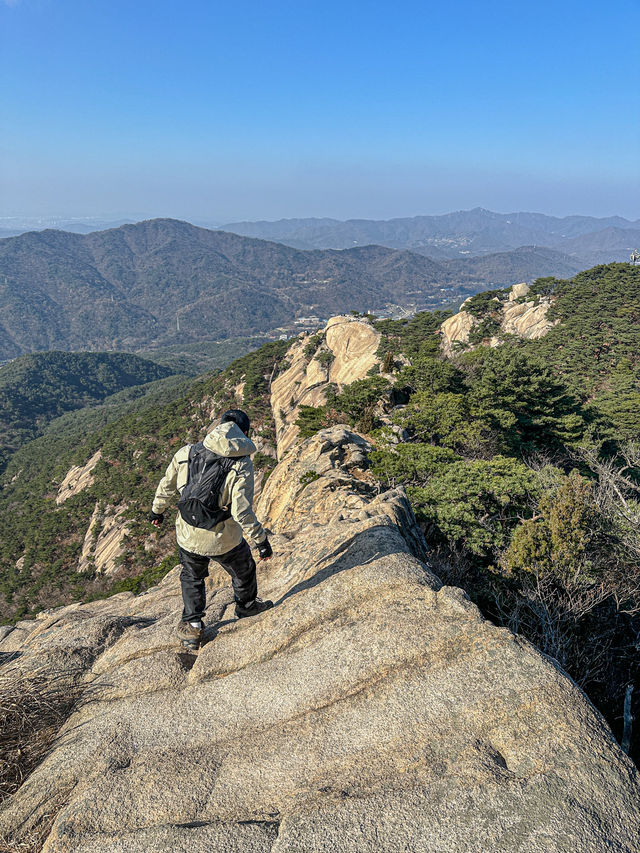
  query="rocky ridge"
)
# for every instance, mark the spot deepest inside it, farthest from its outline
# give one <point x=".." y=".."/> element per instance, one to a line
<point x="345" y="351"/>
<point x="352" y="345"/>
<point x="517" y="316"/>
<point x="372" y="709"/>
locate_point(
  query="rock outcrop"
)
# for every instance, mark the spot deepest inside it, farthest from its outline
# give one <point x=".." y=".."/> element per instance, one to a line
<point x="104" y="540"/>
<point x="455" y="330"/>
<point x="354" y="345"/>
<point x="78" y="478"/>
<point x="527" y="319"/>
<point x="373" y="709"/>
<point x="351" y="346"/>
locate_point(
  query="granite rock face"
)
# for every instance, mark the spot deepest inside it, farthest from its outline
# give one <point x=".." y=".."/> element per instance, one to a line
<point x="351" y="345"/>
<point x="372" y="709"/>
<point x="518" y="316"/>
<point x="78" y="478"/>
<point x="528" y="318"/>
<point x="104" y="539"/>
<point x="455" y="330"/>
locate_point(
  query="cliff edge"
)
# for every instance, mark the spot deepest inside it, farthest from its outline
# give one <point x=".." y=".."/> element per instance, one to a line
<point x="372" y="709"/>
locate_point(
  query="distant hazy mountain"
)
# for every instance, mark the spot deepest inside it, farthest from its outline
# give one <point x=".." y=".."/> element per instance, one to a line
<point x="600" y="247"/>
<point x="453" y="235"/>
<point x="163" y="280"/>
<point x="522" y="264"/>
<point x="12" y="226"/>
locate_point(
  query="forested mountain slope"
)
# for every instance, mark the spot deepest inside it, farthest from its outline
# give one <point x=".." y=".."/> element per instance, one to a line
<point x="522" y="264"/>
<point x="35" y="389"/>
<point x="519" y="462"/>
<point x="162" y="282"/>
<point x="41" y="541"/>
<point x="587" y="328"/>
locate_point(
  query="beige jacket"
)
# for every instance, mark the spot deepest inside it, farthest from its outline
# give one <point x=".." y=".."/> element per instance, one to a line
<point x="225" y="440"/>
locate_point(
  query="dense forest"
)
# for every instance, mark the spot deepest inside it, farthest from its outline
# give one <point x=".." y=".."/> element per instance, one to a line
<point x="522" y="463"/>
<point x="35" y="389"/>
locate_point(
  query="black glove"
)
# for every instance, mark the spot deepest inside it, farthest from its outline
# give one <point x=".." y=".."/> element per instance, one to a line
<point x="265" y="550"/>
<point x="156" y="516"/>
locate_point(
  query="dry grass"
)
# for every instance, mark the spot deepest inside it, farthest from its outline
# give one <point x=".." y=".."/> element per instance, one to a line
<point x="33" y="707"/>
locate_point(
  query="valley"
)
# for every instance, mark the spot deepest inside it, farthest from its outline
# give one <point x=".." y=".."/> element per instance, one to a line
<point x="163" y="283"/>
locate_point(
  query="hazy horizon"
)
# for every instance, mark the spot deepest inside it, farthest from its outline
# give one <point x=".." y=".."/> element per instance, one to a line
<point x="223" y="113"/>
<point x="203" y="222"/>
<point x="216" y="219"/>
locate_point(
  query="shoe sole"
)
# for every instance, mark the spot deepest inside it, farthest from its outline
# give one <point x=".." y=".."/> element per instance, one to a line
<point x="192" y="645"/>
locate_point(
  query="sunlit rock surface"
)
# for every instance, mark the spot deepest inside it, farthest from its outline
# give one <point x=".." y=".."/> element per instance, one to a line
<point x="104" y="540"/>
<point x="78" y="478"/>
<point x="372" y="709"/>
<point x="353" y="345"/>
<point x="527" y="319"/>
<point x="455" y="330"/>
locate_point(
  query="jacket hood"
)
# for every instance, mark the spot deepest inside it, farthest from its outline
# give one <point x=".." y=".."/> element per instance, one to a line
<point x="229" y="440"/>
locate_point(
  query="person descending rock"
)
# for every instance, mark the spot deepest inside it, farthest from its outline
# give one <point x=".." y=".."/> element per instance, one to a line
<point x="215" y="481"/>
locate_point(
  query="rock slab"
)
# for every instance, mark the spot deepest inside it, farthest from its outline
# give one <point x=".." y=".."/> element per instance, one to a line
<point x="372" y="709"/>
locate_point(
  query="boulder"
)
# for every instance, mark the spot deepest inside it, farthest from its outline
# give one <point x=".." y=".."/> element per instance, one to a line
<point x="518" y="291"/>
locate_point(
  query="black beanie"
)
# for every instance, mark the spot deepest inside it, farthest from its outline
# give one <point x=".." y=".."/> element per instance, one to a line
<point x="237" y="416"/>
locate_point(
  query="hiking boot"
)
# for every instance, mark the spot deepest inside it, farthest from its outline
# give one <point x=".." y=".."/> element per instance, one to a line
<point x="252" y="608"/>
<point x="190" y="636"/>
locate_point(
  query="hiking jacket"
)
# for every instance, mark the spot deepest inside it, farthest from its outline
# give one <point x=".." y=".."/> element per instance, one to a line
<point x="237" y="493"/>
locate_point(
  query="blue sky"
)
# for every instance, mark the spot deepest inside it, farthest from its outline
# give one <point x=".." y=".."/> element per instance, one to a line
<point x="223" y="111"/>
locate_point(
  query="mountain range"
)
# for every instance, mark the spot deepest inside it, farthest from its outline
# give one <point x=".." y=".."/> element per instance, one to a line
<point x="547" y="550"/>
<point x="587" y="239"/>
<point x="162" y="281"/>
<point x="462" y="233"/>
<point x="12" y="226"/>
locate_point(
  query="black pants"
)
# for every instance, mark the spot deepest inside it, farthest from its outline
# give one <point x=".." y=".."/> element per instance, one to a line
<point x="238" y="563"/>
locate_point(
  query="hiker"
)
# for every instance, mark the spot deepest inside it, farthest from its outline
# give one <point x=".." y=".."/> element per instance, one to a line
<point x="215" y="480"/>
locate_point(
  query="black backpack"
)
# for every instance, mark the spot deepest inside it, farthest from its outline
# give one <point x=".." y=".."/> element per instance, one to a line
<point x="199" y="501"/>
